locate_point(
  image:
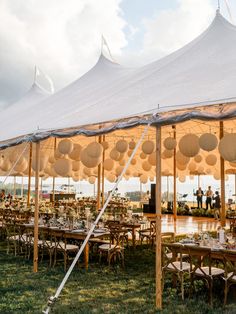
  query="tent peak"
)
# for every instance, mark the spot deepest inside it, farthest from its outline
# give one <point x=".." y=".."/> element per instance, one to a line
<point x="105" y="50"/>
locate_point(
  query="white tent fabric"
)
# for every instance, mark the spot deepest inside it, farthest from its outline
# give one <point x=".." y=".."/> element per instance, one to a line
<point x="197" y="81"/>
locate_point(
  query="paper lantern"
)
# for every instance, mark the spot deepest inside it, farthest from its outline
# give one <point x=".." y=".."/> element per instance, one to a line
<point x="132" y="145"/>
<point x="43" y="159"/>
<point x="87" y="171"/>
<point x="108" y="164"/>
<point x="135" y="174"/>
<point x="146" y="166"/>
<point x="122" y="155"/>
<point x="75" y="179"/>
<point x="180" y="166"/>
<point x="75" y="165"/>
<point x="216" y="176"/>
<point x="142" y="155"/>
<point x="114" y="154"/>
<point x="211" y="159"/>
<point x="21" y="167"/>
<point x="119" y="170"/>
<point x="129" y="153"/>
<point x="63" y="167"/>
<point x="111" y="177"/>
<point x="122" y="146"/>
<point x="128" y="172"/>
<point x="89" y="161"/>
<point x="148" y="147"/>
<point x="151" y="178"/>
<point x="169" y="143"/>
<point x="122" y="162"/>
<point x="152" y="159"/>
<point x="208" y="142"/>
<point x="182" y="178"/>
<point x="167" y="154"/>
<point x="192" y="166"/>
<point x="92" y="180"/>
<point x="133" y="161"/>
<point x="75" y="154"/>
<point x="165" y="172"/>
<point x="94" y="150"/>
<point x="51" y="159"/>
<point x="65" y="146"/>
<point x="227" y="147"/>
<point x="200" y="169"/>
<point x="198" y="158"/>
<point x="208" y="171"/>
<point x="143" y="178"/>
<point x="189" y="145"/>
<point x="105" y="145"/>
<point x="57" y="154"/>
<point x="181" y="159"/>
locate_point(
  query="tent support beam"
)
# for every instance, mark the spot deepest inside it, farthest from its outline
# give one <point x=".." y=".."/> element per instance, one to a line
<point x="103" y="173"/>
<point x="158" y="220"/>
<point x="174" y="178"/>
<point x="99" y="180"/>
<point x="36" y="211"/>
<point x="29" y="175"/>
<point x="222" y="180"/>
<point x="54" y="179"/>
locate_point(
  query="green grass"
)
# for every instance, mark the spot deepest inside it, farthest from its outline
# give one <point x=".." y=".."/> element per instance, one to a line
<point x="99" y="290"/>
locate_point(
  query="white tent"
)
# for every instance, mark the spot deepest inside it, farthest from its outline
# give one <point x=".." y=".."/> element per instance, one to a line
<point x="190" y="83"/>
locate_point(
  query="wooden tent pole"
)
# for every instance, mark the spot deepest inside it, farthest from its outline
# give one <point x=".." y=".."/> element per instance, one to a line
<point x="222" y="180"/>
<point x="14" y="187"/>
<point x="103" y="174"/>
<point x="29" y="175"/>
<point x="99" y="180"/>
<point x="174" y="178"/>
<point x="22" y="187"/>
<point x="53" y="179"/>
<point x="36" y="210"/>
<point x="158" y="220"/>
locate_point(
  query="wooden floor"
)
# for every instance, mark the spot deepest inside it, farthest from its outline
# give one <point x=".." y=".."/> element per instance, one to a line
<point x="187" y="224"/>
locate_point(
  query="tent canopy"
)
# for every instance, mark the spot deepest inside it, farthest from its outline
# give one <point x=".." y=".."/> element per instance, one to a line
<point x="197" y="81"/>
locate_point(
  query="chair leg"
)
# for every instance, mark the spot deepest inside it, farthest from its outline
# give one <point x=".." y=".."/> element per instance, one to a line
<point x="182" y="285"/>
<point x="225" y="293"/>
<point x="210" y="292"/>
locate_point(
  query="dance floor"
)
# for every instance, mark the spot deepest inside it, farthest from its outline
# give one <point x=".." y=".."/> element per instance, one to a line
<point x="187" y="224"/>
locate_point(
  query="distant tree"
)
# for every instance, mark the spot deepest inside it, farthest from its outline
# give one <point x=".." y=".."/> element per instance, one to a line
<point x="135" y="196"/>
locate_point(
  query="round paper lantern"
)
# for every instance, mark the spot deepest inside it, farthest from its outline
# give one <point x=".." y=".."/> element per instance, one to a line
<point x="121" y="157"/>
<point x="216" y="176"/>
<point x="165" y="172"/>
<point x="89" y="161"/>
<point x="57" y="154"/>
<point x="142" y="155"/>
<point x="208" y="142"/>
<point x="180" y="166"/>
<point x="211" y="159"/>
<point x="111" y="177"/>
<point x="65" y="146"/>
<point x="189" y="145"/>
<point x="128" y="173"/>
<point x="43" y="159"/>
<point x="152" y="159"/>
<point x="227" y="147"/>
<point x="129" y="153"/>
<point x="94" y="150"/>
<point x="75" y="179"/>
<point x="51" y="159"/>
<point x="182" y="178"/>
<point x="63" y="167"/>
<point x="75" y="154"/>
<point x="114" y="154"/>
<point x="132" y="145"/>
<point x="151" y="178"/>
<point x="146" y="166"/>
<point x="208" y="171"/>
<point x="133" y="161"/>
<point x="198" y="158"/>
<point x="181" y="159"/>
<point x="87" y="171"/>
<point x="200" y="169"/>
<point x="232" y="164"/>
<point x="169" y="143"/>
<point x="119" y="170"/>
<point x="135" y="174"/>
<point x="167" y="154"/>
<point x="95" y="171"/>
<point x="122" y="162"/>
<point x="148" y="147"/>
<point x="108" y="164"/>
<point x="92" y="180"/>
<point x="192" y="166"/>
<point x="143" y="178"/>
<point x="122" y="146"/>
<point x="75" y="165"/>
<point x="105" y="145"/>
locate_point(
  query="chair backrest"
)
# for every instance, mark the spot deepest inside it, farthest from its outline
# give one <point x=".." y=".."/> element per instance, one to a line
<point x="118" y="235"/>
<point x="168" y="237"/>
<point x="199" y="257"/>
<point x="170" y="253"/>
<point x="229" y="262"/>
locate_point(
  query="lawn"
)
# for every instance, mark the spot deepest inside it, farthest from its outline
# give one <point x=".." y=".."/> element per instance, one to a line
<point x="99" y="290"/>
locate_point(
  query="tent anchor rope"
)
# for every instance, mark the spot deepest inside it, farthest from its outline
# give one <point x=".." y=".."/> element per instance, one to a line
<point x="52" y="299"/>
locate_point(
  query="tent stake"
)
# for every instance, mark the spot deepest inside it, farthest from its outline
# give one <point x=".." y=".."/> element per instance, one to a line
<point x="158" y="220"/>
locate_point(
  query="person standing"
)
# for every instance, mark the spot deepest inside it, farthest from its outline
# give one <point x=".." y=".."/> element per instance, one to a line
<point x="217" y="205"/>
<point x="199" y="195"/>
<point x="209" y="195"/>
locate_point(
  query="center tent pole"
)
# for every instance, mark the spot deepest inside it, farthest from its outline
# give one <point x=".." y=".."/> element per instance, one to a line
<point x="103" y="174"/>
<point x="53" y="179"/>
<point x="158" y="220"/>
<point x="36" y="210"/>
<point x="222" y="181"/>
<point x="99" y="180"/>
<point x="29" y="175"/>
<point x="174" y="178"/>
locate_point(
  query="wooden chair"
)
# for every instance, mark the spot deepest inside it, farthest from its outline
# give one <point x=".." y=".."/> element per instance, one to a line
<point x="201" y="267"/>
<point x="172" y="262"/>
<point x="230" y="271"/>
<point x="115" y="248"/>
<point x="148" y="234"/>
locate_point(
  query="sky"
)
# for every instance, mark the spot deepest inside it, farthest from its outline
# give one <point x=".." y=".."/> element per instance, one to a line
<point x="63" y="37"/>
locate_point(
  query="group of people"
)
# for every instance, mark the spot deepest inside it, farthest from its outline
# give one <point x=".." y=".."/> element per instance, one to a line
<point x="4" y="197"/>
<point x="210" y="198"/>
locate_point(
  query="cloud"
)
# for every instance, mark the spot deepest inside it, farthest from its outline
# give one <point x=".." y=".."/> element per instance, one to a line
<point x="172" y="28"/>
<point x="62" y="37"/>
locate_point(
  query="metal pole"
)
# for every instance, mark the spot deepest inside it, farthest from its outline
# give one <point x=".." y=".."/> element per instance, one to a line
<point x="36" y="210"/>
<point x="29" y="175"/>
<point x="222" y="181"/>
<point x="158" y="220"/>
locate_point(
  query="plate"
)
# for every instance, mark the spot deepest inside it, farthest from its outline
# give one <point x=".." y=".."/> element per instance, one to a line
<point x="78" y="230"/>
<point x="99" y="230"/>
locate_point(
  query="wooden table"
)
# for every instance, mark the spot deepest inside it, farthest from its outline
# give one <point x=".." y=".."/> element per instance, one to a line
<point x="132" y="227"/>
